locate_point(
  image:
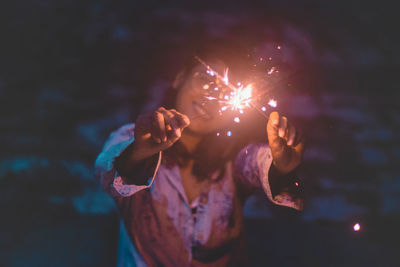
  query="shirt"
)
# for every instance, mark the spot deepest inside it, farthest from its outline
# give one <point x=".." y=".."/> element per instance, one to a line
<point x="165" y="230"/>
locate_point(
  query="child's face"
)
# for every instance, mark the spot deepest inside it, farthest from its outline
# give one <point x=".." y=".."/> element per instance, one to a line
<point x="203" y="114"/>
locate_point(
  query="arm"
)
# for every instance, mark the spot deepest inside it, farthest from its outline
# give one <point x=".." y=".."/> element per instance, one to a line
<point x="133" y="153"/>
<point x="254" y="170"/>
<point x="110" y="178"/>
<point x="272" y="167"/>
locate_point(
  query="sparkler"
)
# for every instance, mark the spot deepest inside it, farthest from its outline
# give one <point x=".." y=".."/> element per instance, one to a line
<point x="234" y="98"/>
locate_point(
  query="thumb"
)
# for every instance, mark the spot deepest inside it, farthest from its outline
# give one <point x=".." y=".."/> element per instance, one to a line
<point x="273" y="131"/>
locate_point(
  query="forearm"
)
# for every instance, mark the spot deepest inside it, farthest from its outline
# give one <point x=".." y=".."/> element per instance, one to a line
<point x="279" y="182"/>
<point x="135" y="167"/>
<point x="255" y="170"/>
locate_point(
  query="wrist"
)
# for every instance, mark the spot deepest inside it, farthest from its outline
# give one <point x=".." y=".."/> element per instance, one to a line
<point x="277" y="169"/>
<point x="138" y="154"/>
<point x="134" y="166"/>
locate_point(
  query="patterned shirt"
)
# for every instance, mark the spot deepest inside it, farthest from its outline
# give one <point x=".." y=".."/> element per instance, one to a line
<point x="165" y="230"/>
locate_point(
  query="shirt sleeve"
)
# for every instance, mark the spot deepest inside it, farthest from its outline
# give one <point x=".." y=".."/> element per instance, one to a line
<point x="252" y="168"/>
<point x="110" y="180"/>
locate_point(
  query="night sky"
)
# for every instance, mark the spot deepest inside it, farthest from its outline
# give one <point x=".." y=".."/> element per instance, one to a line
<point x="73" y="71"/>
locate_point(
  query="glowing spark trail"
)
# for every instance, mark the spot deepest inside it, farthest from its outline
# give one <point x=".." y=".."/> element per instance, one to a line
<point x="225" y="79"/>
<point x="235" y="98"/>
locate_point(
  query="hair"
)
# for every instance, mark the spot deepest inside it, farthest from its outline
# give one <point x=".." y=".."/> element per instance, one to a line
<point x="213" y="151"/>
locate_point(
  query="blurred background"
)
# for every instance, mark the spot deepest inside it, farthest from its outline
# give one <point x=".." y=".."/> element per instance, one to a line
<point x="73" y="71"/>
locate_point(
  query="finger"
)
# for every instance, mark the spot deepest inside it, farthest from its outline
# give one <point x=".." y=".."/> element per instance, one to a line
<point x="291" y="135"/>
<point x="299" y="147"/>
<point x="171" y="120"/>
<point x="159" y="127"/>
<point x="299" y="138"/>
<point x="142" y="124"/>
<point x="183" y="120"/>
<point x="272" y="129"/>
<point x="283" y="125"/>
<point x="274" y="118"/>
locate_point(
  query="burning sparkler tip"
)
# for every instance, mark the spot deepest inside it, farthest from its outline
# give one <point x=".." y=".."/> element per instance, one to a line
<point x="356" y="227"/>
<point x="231" y="97"/>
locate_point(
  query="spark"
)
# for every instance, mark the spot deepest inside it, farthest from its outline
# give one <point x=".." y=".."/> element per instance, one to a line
<point x="206" y="86"/>
<point x="226" y="79"/>
<point x="278" y="47"/>
<point x="240" y="98"/>
<point x="218" y="134"/>
<point x="356" y="227"/>
<point x="273" y="103"/>
<point x="234" y="98"/>
<point x="264" y="109"/>
<point x="228" y="133"/>
<point x="271" y="70"/>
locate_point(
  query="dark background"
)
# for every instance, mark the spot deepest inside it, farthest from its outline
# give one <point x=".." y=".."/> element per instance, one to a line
<point x="72" y="71"/>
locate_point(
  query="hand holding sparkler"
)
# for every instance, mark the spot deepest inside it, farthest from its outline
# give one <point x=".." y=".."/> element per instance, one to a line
<point x="154" y="132"/>
<point x="286" y="143"/>
<point x="157" y="131"/>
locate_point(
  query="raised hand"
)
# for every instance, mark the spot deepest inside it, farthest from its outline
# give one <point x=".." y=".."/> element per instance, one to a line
<point x="157" y="131"/>
<point x="286" y="143"/>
